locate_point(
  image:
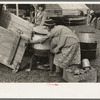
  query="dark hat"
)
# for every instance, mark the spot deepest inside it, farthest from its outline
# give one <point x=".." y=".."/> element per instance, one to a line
<point x="49" y="22"/>
<point x="41" y="5"/>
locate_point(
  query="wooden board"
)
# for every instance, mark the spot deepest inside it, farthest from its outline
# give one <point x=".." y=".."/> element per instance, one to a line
<point x="15" y="23"/>
<point x="7" y="42"/>
<point x="14" y="49"/>
<point x="14" y="26"/>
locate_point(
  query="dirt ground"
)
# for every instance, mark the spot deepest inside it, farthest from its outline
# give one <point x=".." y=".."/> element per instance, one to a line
<point x="6" y="74"/>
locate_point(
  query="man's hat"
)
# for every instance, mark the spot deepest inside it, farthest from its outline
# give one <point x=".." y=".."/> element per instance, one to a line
<point x="49" y="22"/>
<point x="40" y="30"/>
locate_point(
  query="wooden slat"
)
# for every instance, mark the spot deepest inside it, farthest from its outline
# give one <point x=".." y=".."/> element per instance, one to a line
<point x="13" y="22"/>
<point x="4" y="51"/>
<point x="4" y="60"/>
<point x="6" y="33"/>
<point x="14" y="49"/>
<point x="15" y="27"/>
<point x="6" y="46"/>
<point x="8" y="36"/>
<point x="18" y="57"/>
<point x="6" y="43"/>
<point x="9" y="16"/>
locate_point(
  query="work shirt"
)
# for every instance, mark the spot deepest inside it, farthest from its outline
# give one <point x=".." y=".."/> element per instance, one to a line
<point x="60" y="36"/>
<point x="40" y="17"/>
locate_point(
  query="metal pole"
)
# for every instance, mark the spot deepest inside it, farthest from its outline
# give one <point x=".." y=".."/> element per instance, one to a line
<point x="5" y="8"/>
<point x="17" y="10"/>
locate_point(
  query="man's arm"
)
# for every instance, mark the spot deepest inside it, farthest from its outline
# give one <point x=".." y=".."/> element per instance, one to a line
<point x="40" y="40"/>
<point x="91" y="19"/>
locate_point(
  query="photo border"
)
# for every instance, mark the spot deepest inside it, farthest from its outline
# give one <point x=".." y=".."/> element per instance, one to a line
<point x="15" y="96"/>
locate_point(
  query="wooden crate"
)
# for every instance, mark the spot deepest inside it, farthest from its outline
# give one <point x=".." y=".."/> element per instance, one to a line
<point x="11" y="28"/>
<point x="15" y="23"/>
<point x="90" y="76"/>
<point x="12" y="48"/>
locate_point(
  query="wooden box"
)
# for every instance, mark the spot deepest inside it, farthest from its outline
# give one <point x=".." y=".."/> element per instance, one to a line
<point x="15" y="23"/>
<point x="90" y="76"/>
<point x="12" y="48"/>
<point x="14" y="35"/>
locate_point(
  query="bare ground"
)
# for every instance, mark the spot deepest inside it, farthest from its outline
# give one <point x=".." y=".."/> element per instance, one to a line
<point x="6" y="74"/>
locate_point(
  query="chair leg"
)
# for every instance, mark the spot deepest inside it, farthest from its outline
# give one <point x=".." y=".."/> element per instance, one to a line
<point x="33" y="62"/>
<point x="51" y="57"/>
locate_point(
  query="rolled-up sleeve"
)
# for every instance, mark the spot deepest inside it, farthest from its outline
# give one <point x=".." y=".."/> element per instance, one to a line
<point x="44" y="39"/>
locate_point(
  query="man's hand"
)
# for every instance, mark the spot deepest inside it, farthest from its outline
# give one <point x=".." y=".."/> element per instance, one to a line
<point x="88" y="24"/>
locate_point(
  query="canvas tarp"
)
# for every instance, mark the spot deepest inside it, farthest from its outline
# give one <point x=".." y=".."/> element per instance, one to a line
<point x="73" y="9"/>
<point x="53" y="10"/>
<point x="64" y="9"/>
<point x="94" y="7"/>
